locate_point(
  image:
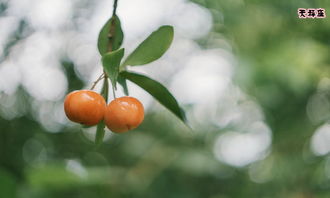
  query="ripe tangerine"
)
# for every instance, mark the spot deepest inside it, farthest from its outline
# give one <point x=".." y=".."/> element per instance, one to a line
<point x="85" y="107"/>
<point x="123" y="114"/>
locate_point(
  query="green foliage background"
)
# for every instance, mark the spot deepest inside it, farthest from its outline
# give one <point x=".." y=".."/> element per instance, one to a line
<point x="281" y="61"/>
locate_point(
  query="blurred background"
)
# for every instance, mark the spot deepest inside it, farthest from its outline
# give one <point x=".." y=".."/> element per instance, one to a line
<point x="252" y="77"/>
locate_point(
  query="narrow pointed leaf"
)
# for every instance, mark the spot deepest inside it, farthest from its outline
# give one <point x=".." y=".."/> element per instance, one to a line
<point x="157" y="90"/>
<point x="111" y="36"/>
<point x="122" y="82"/>
<point x="151" y="48"/>
<point x="111" y="62"/>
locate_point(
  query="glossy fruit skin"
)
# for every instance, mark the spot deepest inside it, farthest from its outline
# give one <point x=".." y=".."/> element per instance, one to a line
<point x="124" y="114"/>
<point x="85" y="107"/>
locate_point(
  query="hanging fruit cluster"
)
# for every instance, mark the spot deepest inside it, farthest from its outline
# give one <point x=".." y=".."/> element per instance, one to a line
<point x="125" y="113"/>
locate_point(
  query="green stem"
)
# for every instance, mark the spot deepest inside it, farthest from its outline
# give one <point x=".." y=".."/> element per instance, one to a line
<point x="114" y="7"/>
<point x="100" y="127"/>
<point x="105" y="89"/>
<point x="112" y="30"/>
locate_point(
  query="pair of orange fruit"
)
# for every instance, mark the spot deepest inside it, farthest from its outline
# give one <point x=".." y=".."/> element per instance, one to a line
<point x="89" y="108"/>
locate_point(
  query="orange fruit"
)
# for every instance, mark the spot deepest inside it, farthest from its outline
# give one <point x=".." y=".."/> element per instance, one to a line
<point x="123" y="114"/>
<point x="85" y="107"/>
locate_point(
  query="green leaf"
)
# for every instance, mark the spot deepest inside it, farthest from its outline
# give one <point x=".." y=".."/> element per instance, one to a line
<point x="111" y="62"/>
<point x="152" y="48"/>
<point x="122" y="82"/>
<point x="157" y="90"/>
<point x="111" y="36"/>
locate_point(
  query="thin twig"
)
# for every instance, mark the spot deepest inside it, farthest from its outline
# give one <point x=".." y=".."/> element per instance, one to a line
<point x="98" y="80"/>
